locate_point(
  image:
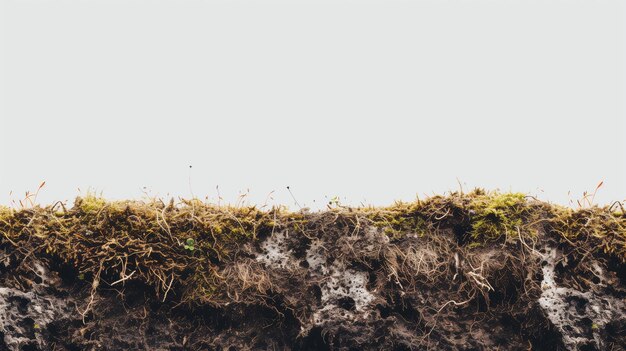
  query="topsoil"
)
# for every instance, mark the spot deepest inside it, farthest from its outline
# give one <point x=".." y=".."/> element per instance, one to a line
<point x="478" y="271"/>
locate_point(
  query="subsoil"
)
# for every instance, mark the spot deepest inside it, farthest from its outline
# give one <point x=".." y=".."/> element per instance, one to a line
<point x="192" y="276"/>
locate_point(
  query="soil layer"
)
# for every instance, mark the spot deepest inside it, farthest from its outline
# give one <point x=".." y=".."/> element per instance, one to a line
<point x="477" y="271"/>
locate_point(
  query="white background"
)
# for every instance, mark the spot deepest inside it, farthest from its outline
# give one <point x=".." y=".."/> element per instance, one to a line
<point x="371" y="101"/>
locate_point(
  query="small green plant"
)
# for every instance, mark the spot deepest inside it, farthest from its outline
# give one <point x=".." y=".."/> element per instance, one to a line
<point x="334" y="202"/>
<point x="92" y="203"/>
<point x="190" y="244"/>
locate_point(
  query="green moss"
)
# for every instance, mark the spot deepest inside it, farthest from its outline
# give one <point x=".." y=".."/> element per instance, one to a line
<point x="91" y="203"/>
<point x="488" y="215"/>
<point x="397" y="220"/>
<point x="5" y="213"/>
<point x="494" y="215"/>
<point x="603" y="229"/>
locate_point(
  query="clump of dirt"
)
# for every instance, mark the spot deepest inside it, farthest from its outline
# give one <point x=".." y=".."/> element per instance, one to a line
<point x="477" y="271"/>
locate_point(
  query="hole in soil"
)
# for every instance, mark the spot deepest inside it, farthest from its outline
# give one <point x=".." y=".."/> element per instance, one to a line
<point x="68" y="273"/>
<point x="461" y="232"/>
<point x="406" y="310"/>
<point x="578" y="302"/>
<point x="347" y="303"/>
<point x="21" y="303"/>
<point x="314" y="341"/>
<point x="302" y="246"/>
<point x="619" y="268"/>
<point x="505" y="295"/>
<point x="385" y="311"/>
<point x="28" y="325"/>
<point x="372" y="277"/>
<point x="317" y="292"/>
<point x="547" y="340"/>
<point x="587" y="323"/>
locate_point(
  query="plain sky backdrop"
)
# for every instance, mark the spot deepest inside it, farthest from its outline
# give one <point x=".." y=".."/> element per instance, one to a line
<point x="371" y="101"/>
